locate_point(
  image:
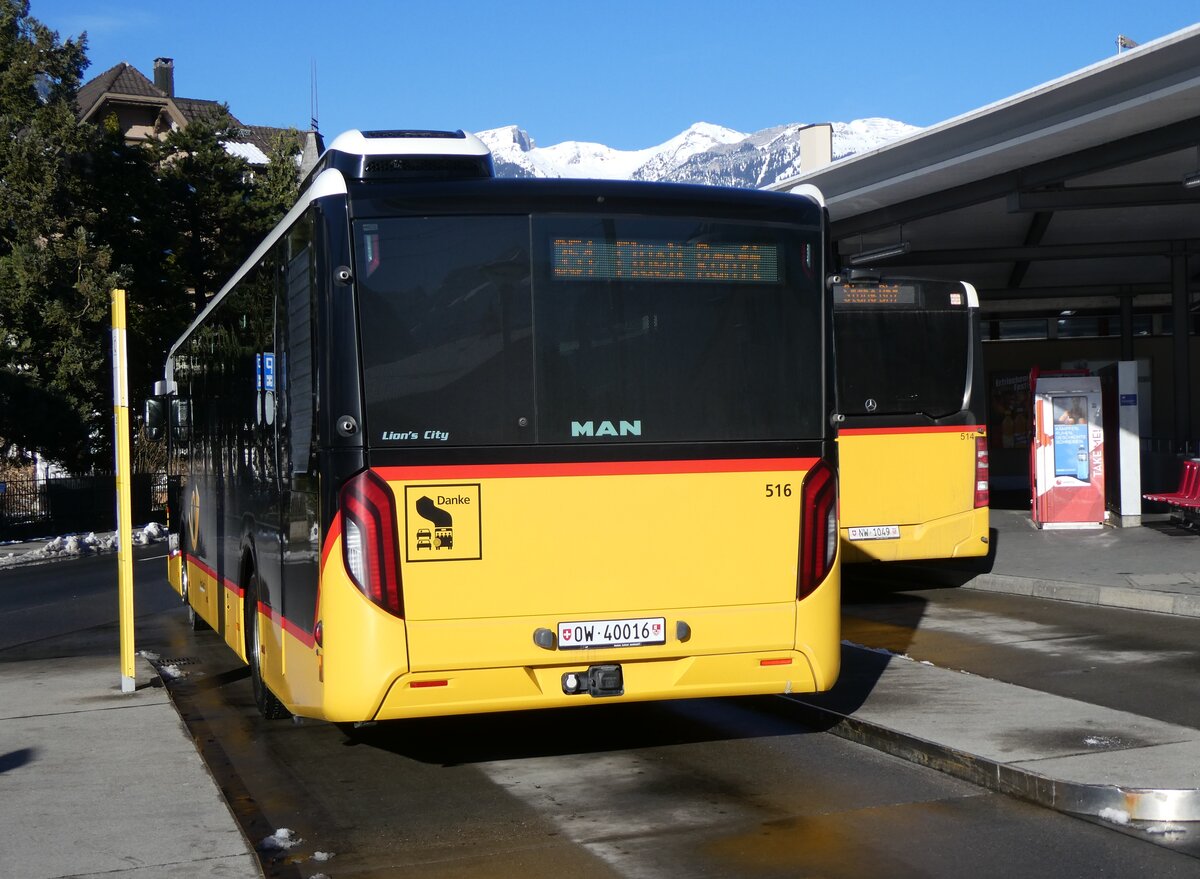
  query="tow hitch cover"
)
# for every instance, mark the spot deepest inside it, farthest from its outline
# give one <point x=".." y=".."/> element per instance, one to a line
<point x="605" y="680"/>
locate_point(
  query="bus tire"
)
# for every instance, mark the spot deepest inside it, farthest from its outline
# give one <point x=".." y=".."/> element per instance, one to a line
<point x="195" y="621"/>
<point x="267" y="702"/>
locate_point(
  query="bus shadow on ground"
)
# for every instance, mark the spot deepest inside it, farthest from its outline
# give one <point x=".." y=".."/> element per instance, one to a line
<point x="588" y="729"/>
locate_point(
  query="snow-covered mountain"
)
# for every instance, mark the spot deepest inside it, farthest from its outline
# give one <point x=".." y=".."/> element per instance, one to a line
<point x="705" y="153"/>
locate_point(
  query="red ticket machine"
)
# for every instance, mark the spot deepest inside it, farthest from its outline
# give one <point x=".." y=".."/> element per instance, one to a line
<point x="1068" y="452"/>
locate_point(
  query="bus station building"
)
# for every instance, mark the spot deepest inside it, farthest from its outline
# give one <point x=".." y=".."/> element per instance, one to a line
<point x="1074" y="209"/>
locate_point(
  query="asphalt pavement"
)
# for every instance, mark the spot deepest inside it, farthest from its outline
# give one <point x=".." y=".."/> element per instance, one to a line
<point x="95" y="782"/>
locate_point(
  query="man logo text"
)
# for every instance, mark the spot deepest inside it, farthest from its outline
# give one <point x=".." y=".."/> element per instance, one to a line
<point x="606" y="428"/>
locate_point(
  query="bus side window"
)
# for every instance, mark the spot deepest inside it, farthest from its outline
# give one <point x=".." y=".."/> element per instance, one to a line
<point x="155" y="415"/>
<point x="181" y="419"/>
<point x="295" y="325"/>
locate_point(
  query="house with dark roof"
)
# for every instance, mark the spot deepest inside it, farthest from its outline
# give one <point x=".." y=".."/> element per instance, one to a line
<point x="147" y="110"/>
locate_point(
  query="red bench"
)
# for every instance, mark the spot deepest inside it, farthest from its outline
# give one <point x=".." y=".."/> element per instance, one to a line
<point x="1187" y="497"/>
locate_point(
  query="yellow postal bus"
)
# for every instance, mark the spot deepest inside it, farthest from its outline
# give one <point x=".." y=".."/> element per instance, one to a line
<point x="452" y="444"/>
<point x="912" y="441"/>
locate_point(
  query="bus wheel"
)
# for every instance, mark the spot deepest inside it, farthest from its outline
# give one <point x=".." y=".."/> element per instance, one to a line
<point x="268" y="703"/>
<point x="194" y="619"/>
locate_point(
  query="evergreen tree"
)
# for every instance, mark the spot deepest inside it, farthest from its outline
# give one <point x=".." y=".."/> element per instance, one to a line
<point x="81" y="211"/>
<point x="278" y="186"/>
<point x="207" y="199"/>
<point x="55" y="275"/>
<point x="133" y="220"/>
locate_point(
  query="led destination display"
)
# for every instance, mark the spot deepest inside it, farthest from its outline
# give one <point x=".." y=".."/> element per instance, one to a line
<point x="632" y="260"/>
<point x="874" y="294"/>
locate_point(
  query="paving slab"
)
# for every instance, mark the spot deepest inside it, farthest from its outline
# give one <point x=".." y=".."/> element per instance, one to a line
<point x="96" y="782"/>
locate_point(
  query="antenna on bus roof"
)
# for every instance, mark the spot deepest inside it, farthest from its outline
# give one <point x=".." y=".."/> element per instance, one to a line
<point x="312" y="98"/>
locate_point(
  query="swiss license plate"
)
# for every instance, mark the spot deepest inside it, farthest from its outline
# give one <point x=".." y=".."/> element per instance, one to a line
<point x="612" y="633"/>
<point x="875" y="532"/>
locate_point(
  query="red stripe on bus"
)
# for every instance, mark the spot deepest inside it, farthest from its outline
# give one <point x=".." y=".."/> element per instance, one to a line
<point x="335" y="531"/>
<point x="593" y="468"/>
<point x="883" y="431"/>
<point x="305" y="638"/>
<point x="308" y="639"/>
<point x="221" y="581"/>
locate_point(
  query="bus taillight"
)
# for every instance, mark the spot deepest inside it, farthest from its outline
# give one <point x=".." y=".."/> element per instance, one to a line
<point x="369" y="540"/>
<point x="982" y="494"/>
<point x="818" y="527"/>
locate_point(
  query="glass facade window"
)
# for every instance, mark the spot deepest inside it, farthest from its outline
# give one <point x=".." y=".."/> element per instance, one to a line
<point x="1077" y="326"/>
<point x="1021" y="328"/>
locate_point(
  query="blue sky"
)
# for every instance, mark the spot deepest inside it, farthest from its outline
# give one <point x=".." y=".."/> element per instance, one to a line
<point x="624" y="73"/>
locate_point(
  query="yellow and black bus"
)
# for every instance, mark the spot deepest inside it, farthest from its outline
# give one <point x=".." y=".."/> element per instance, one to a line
<point x="912" y="440"/>
<point x="450" y="444"/>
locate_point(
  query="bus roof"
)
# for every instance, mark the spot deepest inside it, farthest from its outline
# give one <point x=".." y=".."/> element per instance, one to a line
<point x="406" y="154"/>
<point x="442" y="194"/>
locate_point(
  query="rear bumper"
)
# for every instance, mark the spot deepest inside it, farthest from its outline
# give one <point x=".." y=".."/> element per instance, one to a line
<point x="960" y="536"/>
<point x="511" y="689"/>
<point x="367" y="669"/>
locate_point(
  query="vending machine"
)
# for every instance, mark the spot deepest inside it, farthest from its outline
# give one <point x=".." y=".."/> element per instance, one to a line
<point x="1068" y="452"/>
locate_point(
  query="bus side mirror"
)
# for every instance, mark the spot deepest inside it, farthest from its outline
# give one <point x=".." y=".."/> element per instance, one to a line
<point x="155" y="414"/>
<point x="181" y="419"/>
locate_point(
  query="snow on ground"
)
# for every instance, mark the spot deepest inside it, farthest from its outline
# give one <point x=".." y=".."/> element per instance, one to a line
<point x="1165" y="828"/>
<point x="281" y="840"/>
<point x="165" y="670"/>
<point x="74" y="545"/>
<point x="171" y="671"/>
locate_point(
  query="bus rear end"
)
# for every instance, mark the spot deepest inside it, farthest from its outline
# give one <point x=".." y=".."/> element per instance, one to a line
<point x="912" y="446"/>
<point x="596" y="454"/>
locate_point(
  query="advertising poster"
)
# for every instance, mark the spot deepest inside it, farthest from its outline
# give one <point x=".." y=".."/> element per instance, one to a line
<point x="1009" y="416"/>
<point x="1071" y="448"/>
<point x="1068" y="453"/>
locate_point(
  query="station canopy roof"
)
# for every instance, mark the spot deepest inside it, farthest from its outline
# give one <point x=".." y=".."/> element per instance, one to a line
<point x="1068" y="195"/>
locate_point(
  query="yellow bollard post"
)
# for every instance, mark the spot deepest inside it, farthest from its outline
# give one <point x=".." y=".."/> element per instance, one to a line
<point x="124" y="484"/>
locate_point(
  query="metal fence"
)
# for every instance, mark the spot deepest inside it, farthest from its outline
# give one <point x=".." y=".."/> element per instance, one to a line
<point x="74" y="504"/>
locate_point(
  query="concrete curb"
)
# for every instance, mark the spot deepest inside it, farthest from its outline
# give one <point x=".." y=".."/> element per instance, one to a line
<point x="1141" y="804"/>
<point x="1127" y="597"/>
<point x="1061" y="753"/>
